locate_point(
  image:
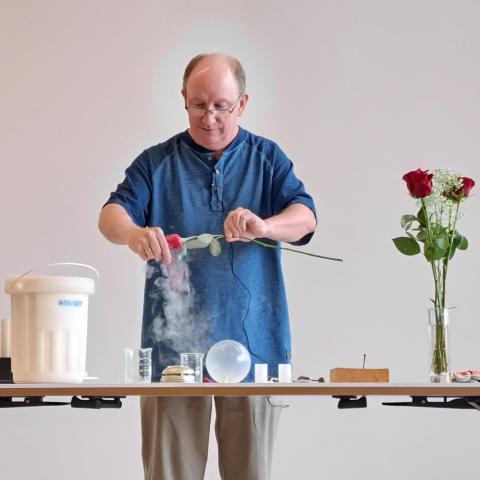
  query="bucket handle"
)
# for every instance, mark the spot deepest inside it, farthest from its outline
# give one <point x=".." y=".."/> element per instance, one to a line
<point x="93" y="269"/>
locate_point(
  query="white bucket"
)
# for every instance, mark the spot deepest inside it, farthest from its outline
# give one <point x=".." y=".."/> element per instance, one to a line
<point x="49" y="327"/>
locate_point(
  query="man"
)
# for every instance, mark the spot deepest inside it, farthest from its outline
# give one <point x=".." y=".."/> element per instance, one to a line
<point x="215" y="177"/>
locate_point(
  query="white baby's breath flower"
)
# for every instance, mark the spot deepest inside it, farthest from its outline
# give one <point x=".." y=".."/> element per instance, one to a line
<point x="440" y="209"/>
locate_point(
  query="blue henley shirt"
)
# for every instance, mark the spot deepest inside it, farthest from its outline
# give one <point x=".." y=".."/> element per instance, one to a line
<point x="178" y="186"/>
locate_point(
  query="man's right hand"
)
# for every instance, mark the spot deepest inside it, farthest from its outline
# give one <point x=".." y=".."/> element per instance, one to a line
<point x="149" y="243"/>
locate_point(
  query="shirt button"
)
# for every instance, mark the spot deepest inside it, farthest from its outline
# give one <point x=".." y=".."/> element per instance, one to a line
<point x="217" y="171"/>
<point x="210" y="158"/>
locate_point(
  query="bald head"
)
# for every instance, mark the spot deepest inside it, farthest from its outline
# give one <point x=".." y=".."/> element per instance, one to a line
<point x="215" y="64"/>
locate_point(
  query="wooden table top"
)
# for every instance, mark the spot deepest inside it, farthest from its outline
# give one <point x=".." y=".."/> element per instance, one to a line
<point x="242" y="389"/>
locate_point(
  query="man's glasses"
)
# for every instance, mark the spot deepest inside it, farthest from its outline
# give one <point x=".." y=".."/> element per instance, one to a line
<point x="199" y="112"/>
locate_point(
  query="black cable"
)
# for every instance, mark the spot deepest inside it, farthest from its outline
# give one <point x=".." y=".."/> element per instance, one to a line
<point x="248" y="306"/>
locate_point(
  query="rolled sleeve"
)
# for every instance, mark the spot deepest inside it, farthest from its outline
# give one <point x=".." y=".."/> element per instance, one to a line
<point x="289" y="190"/>
<point x="134" y="193"/>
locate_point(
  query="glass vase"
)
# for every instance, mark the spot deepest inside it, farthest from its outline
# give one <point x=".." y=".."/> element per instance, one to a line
<point x="438" y="324"/>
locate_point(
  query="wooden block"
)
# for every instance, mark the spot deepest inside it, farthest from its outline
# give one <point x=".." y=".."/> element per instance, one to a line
<point x="358" y="375"/>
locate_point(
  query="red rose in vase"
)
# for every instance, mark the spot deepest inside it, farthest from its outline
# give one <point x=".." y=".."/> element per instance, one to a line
<point x="464" y="190"/>
<point x="419" y="183"/>
<point x="433" y="233"/>
<point x="468" y="184"/>
<point x="461" y="192"/>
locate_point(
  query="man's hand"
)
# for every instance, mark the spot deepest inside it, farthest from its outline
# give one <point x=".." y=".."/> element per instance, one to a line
<point x="241" y="224"/>
<point x="149" y="244"/>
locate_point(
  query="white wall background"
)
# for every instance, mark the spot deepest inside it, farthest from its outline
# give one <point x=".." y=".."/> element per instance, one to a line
<point x="357" y="93"/>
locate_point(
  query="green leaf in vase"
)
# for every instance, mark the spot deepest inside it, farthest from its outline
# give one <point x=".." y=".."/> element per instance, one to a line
<point x="457" y="238"/>
<point x="463" y="245"/>
<point x="422" y="235"/>
<point x="459" y="241"/>
<point x="441" y="243"/>
<point x="406" y="221"/>
<point x="422" y="219"/>
<point x="428" y="251"/>
<point x="434" y="253"/>
<point x="406" y="245"/>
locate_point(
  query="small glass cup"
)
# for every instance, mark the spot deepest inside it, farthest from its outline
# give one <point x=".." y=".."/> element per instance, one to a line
<point x="138" y="365"/>
<point x="261" y="373"/>
<point x="195" y="361"/>
<point x="284" y="373"/>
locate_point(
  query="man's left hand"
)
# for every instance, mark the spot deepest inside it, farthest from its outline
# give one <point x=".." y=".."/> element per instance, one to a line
<point x="242" y="224"/>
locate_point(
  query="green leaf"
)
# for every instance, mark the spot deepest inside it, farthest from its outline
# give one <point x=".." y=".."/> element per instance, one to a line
<point x="406" y="245"/>
<point x="463" y="245"/>
<point x="406" y="221"/>
<point x="439" y="231"/>
<point x="439" y="253"/>
<point x="202" y="241"/>
<point x="422" y="235"/>
<point x="205" y="238"/>
<point x="215" y="247"/>
<point x="434" y="253"/>
<point x="428" y="252"/>
<point x="193" y="243"/>
<point x="457" y="238"/>
<point x="421" y="217"/>
<point x="442" y="243"/>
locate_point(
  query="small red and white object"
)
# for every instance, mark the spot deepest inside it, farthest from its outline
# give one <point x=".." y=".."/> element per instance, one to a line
<point x="174" y="241"/>
<point x="475" y="374"/>
<point x="464" y="376"/>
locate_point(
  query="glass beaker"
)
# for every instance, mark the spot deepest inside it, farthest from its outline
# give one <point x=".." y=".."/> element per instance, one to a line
<point x="195" y="361"/>
<point x="138" y="365"/>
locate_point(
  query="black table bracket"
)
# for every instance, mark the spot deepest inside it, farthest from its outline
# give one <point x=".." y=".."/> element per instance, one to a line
<point x="76" y="402"/>
<point x="96" y="402"/>
<point x="11" y="402"/>
<point x="351" y="401"/>
<point x="439" y="402"/>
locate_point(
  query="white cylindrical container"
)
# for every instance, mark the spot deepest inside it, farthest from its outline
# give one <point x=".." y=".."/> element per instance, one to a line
<point x="5" y="338"/>
<point x="261" y="373"/>
<point x="49" y="327"/>
<point x="284" y="373"/>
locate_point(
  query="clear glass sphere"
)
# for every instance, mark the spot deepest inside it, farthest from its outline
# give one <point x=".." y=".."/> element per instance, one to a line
<point x="228" y="361"/>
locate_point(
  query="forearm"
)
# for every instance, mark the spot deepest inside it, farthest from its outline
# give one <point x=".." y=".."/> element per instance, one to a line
<point x="291" y="224"/>
<point x="115" y="224"/>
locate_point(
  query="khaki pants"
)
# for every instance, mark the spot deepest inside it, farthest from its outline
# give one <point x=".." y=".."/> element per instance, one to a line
<point x="175" y="433"/>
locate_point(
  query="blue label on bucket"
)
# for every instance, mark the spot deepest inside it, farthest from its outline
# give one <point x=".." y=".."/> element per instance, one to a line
<point x="70" y="303"/>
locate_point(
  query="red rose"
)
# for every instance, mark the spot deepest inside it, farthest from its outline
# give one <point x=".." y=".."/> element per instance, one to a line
<point x="174" y="241"/>
<point x="419" y="183"/>
<point x="463" y="191"/>
<point x="468" y="184"/>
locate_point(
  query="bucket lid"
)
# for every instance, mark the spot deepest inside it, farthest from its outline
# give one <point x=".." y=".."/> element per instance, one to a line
<point x="49" y="283"/>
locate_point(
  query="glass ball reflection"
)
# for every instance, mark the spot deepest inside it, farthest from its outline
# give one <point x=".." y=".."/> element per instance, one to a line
<point x="228" y="361"/>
